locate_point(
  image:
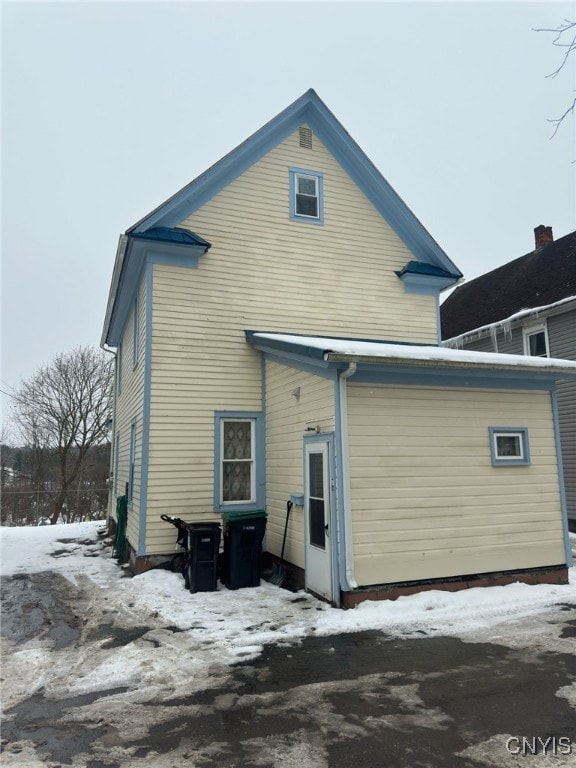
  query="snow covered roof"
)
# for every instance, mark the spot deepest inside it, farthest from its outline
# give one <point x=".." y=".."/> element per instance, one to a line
<point x="334" y="350"/>
<point x="507" y="321"/>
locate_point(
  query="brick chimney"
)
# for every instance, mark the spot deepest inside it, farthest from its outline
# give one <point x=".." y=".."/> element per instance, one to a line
<point x="542" y="236"/>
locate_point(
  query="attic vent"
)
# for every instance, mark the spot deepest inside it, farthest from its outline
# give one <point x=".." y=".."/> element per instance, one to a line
<point x="305" y="137"/>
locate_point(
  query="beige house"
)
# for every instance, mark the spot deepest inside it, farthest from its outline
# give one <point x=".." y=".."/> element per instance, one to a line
<point x="276" y="324"/>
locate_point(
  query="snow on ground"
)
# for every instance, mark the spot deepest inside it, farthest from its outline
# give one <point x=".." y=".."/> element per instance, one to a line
<point x="215" y="629"/>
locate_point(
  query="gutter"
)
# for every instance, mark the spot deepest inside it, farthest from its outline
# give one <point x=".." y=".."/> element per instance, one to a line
<point x="346" y="571"/>
<point x="564" y="369"/>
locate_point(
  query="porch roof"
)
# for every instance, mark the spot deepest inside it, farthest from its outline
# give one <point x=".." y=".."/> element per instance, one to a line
<point x="337" y="350"/>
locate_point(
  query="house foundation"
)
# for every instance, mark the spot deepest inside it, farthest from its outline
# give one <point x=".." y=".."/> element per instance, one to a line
<point x="549" y="575"/>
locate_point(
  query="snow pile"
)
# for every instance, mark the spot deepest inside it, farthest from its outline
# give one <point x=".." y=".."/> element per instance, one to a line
<point x="243" y="620"/>
<point x="136" y="634"/>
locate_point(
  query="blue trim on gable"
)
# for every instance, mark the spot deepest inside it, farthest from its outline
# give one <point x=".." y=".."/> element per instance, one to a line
<point x="172" y="235"/>
<point x="420" y="268"/>
<point x="425" y="284"/>
<point x="309" y="109"/>
<point x="139" y="252"/>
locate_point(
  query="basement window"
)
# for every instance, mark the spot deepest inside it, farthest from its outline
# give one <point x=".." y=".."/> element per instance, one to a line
<point x="509" y="446"/>
<point x="306" y="196"/>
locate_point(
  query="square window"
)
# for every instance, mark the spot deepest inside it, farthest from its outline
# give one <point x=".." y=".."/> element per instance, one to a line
<point x="509" y="446"/>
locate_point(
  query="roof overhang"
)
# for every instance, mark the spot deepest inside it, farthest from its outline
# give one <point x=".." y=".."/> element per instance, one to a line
<point x="309" y="110"/>
<point x="410" y="358"/>
<point x="133" y="253"/>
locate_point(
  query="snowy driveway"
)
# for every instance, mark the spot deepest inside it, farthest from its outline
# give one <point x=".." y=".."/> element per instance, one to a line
<point x="104" y="671"/>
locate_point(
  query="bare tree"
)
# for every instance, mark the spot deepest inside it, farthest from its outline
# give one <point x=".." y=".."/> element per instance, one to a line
<point x="63" y="409"/>
<point x="564" y="38"/>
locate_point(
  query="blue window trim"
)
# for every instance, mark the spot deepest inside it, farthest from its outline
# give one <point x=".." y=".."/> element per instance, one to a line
<point x="320" y="179"/>
<point x="259" y="458"/>
<point x="499" y="461"/>
<point x="136" y="330"/>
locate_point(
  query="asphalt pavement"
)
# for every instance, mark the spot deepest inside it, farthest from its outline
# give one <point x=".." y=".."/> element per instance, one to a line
<point x="360" y="700"/>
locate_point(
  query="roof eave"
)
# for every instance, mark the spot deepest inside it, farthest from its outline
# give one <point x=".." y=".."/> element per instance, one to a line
<point x="548" y="372"/>
<point x="309" y="109"/>
<point x="132" y="256"/>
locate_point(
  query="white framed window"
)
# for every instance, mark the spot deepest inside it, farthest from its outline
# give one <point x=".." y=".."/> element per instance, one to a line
<point x="306" y="196"/>
<point x="536" y="341"/>
<point x="238" y="460"/>
<point x="306" y="202"/>
<point x="509" y="446"/>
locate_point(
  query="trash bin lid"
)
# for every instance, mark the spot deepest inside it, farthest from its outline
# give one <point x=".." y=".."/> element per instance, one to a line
<point x="243" y="514"/>
<point x="210" y="526"/>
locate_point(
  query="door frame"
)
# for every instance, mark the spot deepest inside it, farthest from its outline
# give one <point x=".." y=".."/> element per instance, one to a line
<point x="326" y="439"/>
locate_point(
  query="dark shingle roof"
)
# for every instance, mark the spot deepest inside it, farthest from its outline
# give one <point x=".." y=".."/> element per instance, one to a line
<point x="537" y="279"/>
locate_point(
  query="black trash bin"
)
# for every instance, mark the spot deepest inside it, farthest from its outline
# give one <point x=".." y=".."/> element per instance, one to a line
<point x="203" y="548"/>
<point x="243" y="534"/>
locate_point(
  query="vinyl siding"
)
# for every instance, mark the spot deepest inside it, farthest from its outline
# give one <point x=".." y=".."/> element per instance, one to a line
<point x="561" y="326"/>
<point x="129" y="409"/>
<point x="199" y="366"/>
<point x="287" y="419"/>
<point x="426" y="500"/>
<point x="265" y="271"/>
<point x="562" y="336"/>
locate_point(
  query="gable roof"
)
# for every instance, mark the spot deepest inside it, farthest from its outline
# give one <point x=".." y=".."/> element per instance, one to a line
<point x="309" y="109"/>
<point x="540" y="278"/>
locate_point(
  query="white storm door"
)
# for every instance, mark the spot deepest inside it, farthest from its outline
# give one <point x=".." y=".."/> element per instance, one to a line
<point x="318" y="519"/>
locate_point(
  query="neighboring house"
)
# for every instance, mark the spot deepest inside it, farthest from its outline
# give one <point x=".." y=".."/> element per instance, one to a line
<point x="526" y="307"/>
<point x="277" y="332"/>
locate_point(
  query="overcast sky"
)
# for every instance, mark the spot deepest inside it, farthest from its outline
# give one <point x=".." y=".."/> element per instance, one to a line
<point x="109" y="108"/>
